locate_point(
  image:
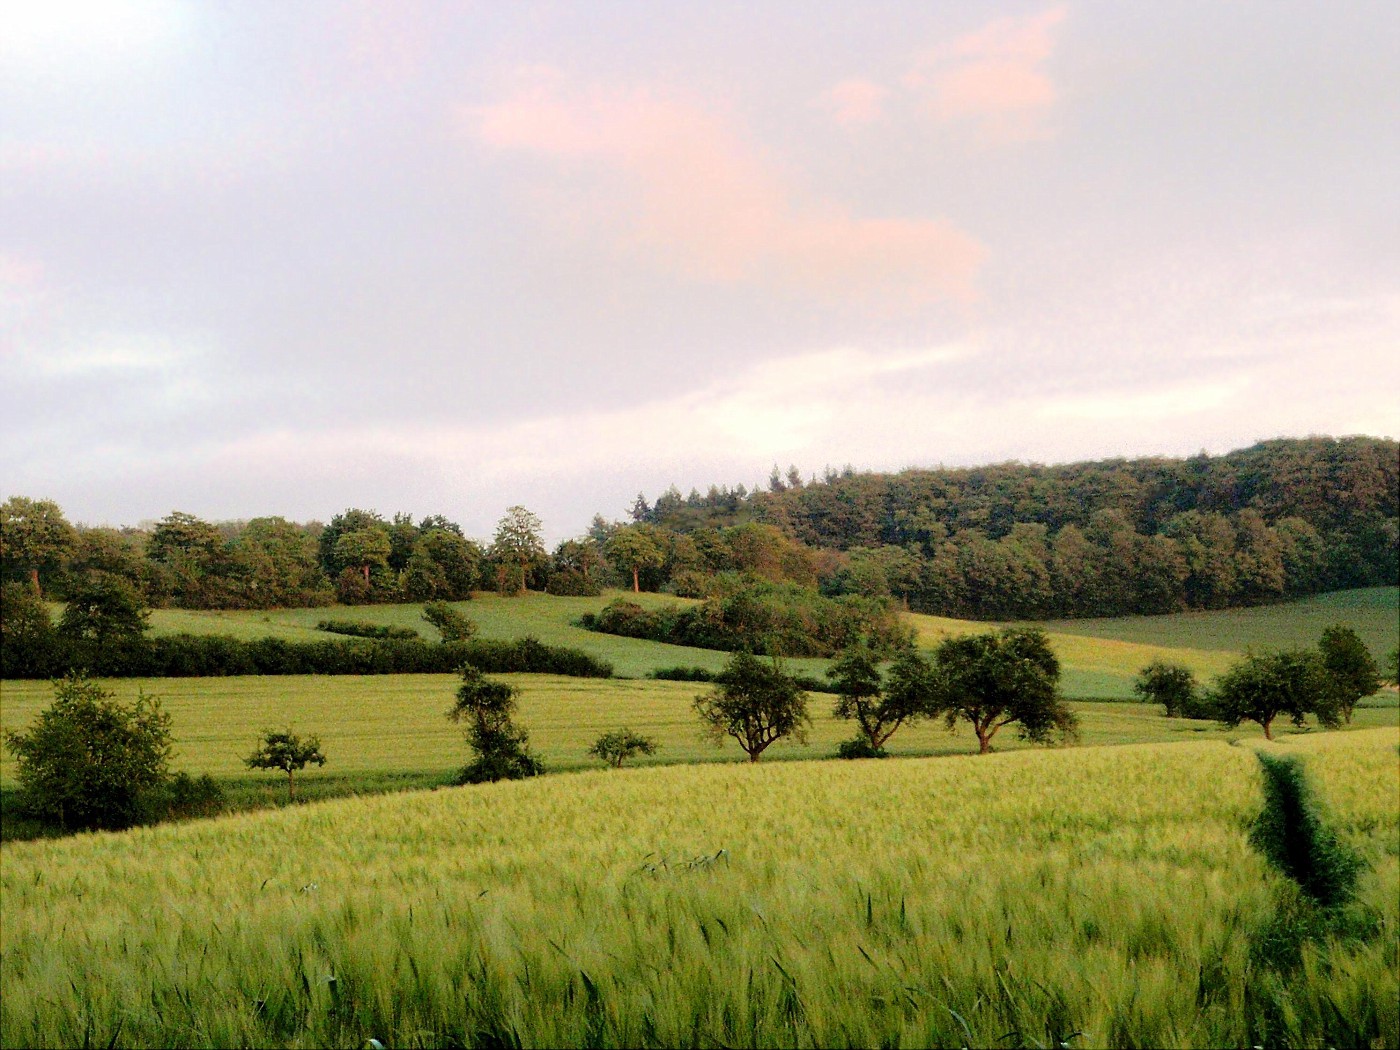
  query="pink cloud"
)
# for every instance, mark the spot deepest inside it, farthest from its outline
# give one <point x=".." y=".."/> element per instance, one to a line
<point x="663" y="177"/>
<point x="855" y="101"/>
<point x="993" y="77"/>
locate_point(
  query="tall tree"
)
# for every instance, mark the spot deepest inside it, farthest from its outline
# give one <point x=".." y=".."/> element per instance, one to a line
<point x="35" y="538"/>
<point x="1262" y="686"/>
<point x="1349" y="663"/>
<point x="515" y="548"/>
<point x="879" y="707"/>
<point x="754" y="702"/>
<point x="634" y="548"/>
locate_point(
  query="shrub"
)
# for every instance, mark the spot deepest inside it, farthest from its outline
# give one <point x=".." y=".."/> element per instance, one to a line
<point x="860" y="747"/>
<point x="361" y="629"/>
<point x="571" y="583"/>
<point x="618" y="746"/>
<point x="452" y="624"/>
<point x="184" y="797"/>
<point x="90" y="761"/>
<point x="502" y="748"/>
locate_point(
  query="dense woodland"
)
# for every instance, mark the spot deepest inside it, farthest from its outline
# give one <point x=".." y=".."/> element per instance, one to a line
<point x="1280" y="519"/>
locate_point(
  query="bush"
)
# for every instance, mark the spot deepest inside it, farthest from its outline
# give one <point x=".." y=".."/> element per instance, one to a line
<point x="89" y="761"/>
<point x="860" y="747"/>
<point x="452" y="624"/>
<point x="361" y="629"/>
<point x="184" y="797"/>
<point x="572" y="584"/>
<point x="761" y="617"/>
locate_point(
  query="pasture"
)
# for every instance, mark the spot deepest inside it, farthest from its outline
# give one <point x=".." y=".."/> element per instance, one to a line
<point x="1092" y="897"/>
<point x="1100" y="657"/>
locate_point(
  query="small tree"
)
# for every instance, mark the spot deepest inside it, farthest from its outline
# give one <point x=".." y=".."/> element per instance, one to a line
<point x="1171" y="685"/>
<point x="1006" y="677"/>
<point x="755" y="703"/>
<point x="618" y="746"/>
<point x="878" y="708"/>
<point x="1262" y="686"/>
<point x="1354" y="673"/>
<point x="288" y="752"/>
<point x="90" y="761"/>
<point x="452" y="624"/>
<point x="502" y="748"/>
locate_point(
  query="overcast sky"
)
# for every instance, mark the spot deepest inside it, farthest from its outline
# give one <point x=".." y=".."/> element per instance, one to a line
<point x="285" y="258"/>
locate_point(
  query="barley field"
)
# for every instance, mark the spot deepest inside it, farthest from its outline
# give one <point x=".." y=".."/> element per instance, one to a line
<point x="1090" y="897"/>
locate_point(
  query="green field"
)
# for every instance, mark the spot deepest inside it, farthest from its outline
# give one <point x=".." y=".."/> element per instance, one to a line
<point x="1100" y="657"/>
<point x="1091" y="897"/>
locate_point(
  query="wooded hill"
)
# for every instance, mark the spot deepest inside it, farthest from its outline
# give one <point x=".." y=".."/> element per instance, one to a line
<point x="1282" y="518"/>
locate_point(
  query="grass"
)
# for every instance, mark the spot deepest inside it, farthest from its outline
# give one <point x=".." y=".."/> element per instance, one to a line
<point x="1091" y="897"/>
<point x="1100" y="657"/>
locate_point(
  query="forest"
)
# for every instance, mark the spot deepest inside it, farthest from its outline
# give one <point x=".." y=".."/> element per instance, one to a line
<point x="1281" y="519"/>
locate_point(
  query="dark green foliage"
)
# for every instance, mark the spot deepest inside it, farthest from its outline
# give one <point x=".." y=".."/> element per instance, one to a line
<point x="1171" y="685"/>
<point x="206" y="656"/>
<point x="285" y="751"/>
<point x="502" y="748"/>
<point x="103" y="609"/>
<point x="760" y="617"/>
<point x="29" y="645"/>
<point x="571" y="583"/>
<point x="90" y="761"/>
<point x="1262" y="686"/>
<point x="360" y="629"/>
<point x="618" y="746"/>
<point x="1353" y="672"/>
<point x="1002" y="678"/>
<point x="184" y="797"/>
<point x="452" y="624"/>
<point x="860" y="747"/>
<point x="754" y="702"/>
<point x="808" y="683"/>
<point x="1293" y="833"/>
<point x="877" y="709"/>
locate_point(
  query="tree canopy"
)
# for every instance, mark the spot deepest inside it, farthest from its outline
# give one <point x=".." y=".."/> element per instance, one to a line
<point x="754" y="702"/>
<point x="1262" y="686"/>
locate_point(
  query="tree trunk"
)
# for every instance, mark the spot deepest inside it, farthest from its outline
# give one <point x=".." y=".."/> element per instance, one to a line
<point x="636" y="586"/>
<point x="1268" y="733"/>
<point x="34" y="582"/>
<point x="291" y="788"/>
<point x="984" y="739"/>
<point x="366" y="571"/>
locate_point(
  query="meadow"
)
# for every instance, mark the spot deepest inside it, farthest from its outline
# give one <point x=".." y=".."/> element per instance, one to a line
<point x="1100" y="657"/>
<point x="1090" y="897"/>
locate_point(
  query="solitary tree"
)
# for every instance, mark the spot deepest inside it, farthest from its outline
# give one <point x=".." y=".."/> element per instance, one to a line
<point x="502" y="748"/>
<point x="35" y="538"/>
<point x="879" y="707"/>
<point x="288" y="752"/>
<point x="632" y="548"/>
<point x="1262" y="686"/>
<point x="618" y="746"/>
<point x="515" y="547"/>
<point x="1354" y="673"/>
<point x="1171" y="685"/>
<point x="755" y="703"/>
<point x="90" y="761"/>
<point x="1004" y="677"/>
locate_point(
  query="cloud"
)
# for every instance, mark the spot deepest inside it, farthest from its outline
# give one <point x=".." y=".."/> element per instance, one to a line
<point x="993" y="77"/>
<point x="855" y="101"/>
<point x="647" y="173"/>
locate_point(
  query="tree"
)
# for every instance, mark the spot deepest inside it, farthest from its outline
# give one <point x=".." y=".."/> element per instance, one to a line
<point x="1262" y="686"/>
<point x="633" y="548"/>
<point x="103" y="609"/>
<point x="1392" y="668"/>
<point x="502" y="748"/>
<point x="364" y="548"/>
<point x="1171" y="685"/>
<point x="288" y="752"/>
<point x="90" y="761"/>
<point x="618" y="746"/>
<point x="515" y="547"/>
<point x="1349" y="663"/>
<point x="35" y="538"/>
<point x="755" y="703"/>
<point x="878" y="707"/>
<point x="1000" y="678"/>
<point x="452" y="624"/>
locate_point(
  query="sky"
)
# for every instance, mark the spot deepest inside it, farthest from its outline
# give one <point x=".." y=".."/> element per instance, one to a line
<point x="261" y="258"/>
